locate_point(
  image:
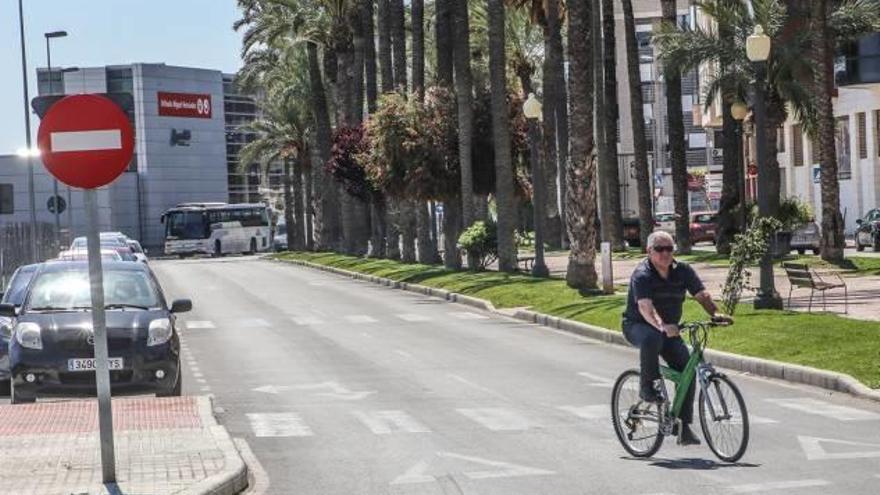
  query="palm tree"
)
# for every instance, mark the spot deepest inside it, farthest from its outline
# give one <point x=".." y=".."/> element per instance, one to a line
<point x="640" y="144"/>
<point x="675" y="125"/>
<point x="427" y="250"/>
<point x="609" y="175"/>
<point x="369" y="54"/>
<point x="386" y="67"/>
<point x="580" y="200"/>
<point x="501" y="137"/>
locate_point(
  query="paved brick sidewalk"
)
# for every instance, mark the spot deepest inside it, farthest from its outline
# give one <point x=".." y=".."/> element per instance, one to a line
<point x="163" y="446"/>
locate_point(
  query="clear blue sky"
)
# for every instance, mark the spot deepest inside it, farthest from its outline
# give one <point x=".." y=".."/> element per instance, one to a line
<point x="194" y="33"/>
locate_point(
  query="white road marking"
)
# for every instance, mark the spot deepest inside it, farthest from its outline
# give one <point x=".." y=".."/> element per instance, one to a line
<point x="777" y="485"/>
<point x="333" y="390"/>
<point x="108" y="139"/>
<point x="307" y="320"/>
<point x="201" y="380"/>
<point x="387" y="422"/>
<point x="415" y="474"/>
<point x="476" y="386"/>
<point x="597" y="381"/>
<point x="419" y="472"/>
<point x="403" y="353"/>
<point x="597" y="411"/>
<point x="195" y="369"/>
<point x="278" y="425"/>
<point x="413" y="317"/>
<point x="367" y="335"/>
<point x="199" y="325"/>
<point x="205" y="389"/>
<point x="261" y="478"/>
<point x="827" y="409"/>
<point x="252" y="322"/>
<point x="754" y="419"/>
<point x="360" y="319"/>
<point x="812" y="447"/>
<point x="198" y="375"/>
<point x="467" y="315"/>
<point x="497" y="419"/>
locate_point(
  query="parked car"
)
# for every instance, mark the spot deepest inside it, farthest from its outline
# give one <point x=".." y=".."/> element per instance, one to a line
<point x="868" y="231"/>
<point x="665" y="222"/>
<point x="83" y="255"/>
<point x="807" y="237"/>
<point x="703" y="225"/>
<point x="138" y="251"/>
<point x="108" y="242"/>
<point x="279" y="241"/>
<point x="13" y="295"/>
<point x="51" y="348"/>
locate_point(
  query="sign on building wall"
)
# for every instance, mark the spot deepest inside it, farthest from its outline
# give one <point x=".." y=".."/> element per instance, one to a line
<point x="185" y="105"/>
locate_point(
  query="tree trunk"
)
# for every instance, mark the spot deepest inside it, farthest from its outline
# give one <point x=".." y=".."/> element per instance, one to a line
<point x="292" y="222"/>
<point x="384" y="26"/>
<point x="426" y="253"/>
<point x="408" y="231"/>
<point x="613" y="223"/>
<point x="392" y="229"/>
<point x="418" y="47"/>
<point x="298" y="207"/>
<point x="501" y="138"/>
<point x="444" y="40"/>
<point x="580" y="200"/>
<point x="549" y="141"/>
<point x="465" y="100"/>
<point x="451" y="230"/>
<point x="310" y="210"/>
<point x="325" y="201"/>
<point x="728" y="209"/>
<point x="357" y="69"/>
<point x="377" y="223"/>
<point x="640" y="144"/>
<point x="833" y="241"/>
<point x="562" y="112"/>
<point x="398" y="42"/>
<point x="675" y="124"/>
<point x="366" y="7"/>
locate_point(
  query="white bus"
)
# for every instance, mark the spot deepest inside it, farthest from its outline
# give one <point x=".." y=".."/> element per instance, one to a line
<point x="216" y="229"/>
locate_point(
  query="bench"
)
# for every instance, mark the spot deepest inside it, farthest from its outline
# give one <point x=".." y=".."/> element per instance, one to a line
<point x="527" y="262"/>
<point x="802" y="276"/>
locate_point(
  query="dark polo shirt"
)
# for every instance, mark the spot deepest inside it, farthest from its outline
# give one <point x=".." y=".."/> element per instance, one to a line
<point x="667" y="294"/>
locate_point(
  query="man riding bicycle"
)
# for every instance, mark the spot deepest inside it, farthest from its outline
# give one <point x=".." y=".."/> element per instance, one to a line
<point x="653" y="312"/>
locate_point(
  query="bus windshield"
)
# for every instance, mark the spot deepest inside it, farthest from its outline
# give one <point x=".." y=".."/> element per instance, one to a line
<point x="186" y="225"/>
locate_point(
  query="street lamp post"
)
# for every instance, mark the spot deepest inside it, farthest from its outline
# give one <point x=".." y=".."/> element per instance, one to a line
<point x="739" y="110"/>
<point x="758" y="51"/>
<point x="27" y="130"/>
<point x="55" y="197"/>
<point x="532" y="111"/>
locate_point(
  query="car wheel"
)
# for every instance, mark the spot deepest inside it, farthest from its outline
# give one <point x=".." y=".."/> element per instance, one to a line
<point x="176" y="390"/>
<point x="19" y="398"/>
<point x="253" y="249"/>
<point x="859" y="247"/>
<point x="218" y="251"/>
<point x="877" y="243"/>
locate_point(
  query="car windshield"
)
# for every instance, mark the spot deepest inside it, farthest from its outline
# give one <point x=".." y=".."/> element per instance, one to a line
<point x="704" y="218"/>
<point x="81" y="243"/>
<point x="187" y="225"/>
<point x="17" y="289"/>
<point x="70" y="290"/>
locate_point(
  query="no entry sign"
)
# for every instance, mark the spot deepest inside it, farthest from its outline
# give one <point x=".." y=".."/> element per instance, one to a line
<point x="85" y="141"/>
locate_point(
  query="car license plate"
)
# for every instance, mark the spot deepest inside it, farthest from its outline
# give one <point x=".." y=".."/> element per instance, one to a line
<point x="88" y="364"/>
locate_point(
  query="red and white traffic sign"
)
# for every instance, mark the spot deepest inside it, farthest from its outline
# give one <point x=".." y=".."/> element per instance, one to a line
<point x="85" y="141"/>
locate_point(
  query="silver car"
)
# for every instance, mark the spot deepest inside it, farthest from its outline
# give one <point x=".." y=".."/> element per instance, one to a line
<point x="807" y="237"/>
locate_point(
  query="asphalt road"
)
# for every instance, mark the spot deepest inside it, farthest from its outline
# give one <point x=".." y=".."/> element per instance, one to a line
<point x="340" y="386"/>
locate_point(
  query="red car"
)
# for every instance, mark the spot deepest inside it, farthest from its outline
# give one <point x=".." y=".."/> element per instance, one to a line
<point x="702" y="226"/>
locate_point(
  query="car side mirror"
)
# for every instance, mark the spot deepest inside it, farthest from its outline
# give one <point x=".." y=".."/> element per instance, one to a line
<point x="181" y="306"/>
<point x="8" y="310"/>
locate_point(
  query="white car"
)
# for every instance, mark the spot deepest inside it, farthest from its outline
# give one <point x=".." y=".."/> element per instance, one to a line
<point x="665" y="222"/>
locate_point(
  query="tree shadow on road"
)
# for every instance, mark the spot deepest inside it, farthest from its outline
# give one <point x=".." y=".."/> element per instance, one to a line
<point x="692" y="463"/>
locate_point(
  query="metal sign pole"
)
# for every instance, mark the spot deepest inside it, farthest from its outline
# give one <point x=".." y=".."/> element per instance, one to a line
<point x="102" y="372"/>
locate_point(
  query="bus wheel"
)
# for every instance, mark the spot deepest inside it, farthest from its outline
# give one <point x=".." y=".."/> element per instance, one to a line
<point x="253" y="246"/>
<point x="217" y="250"/>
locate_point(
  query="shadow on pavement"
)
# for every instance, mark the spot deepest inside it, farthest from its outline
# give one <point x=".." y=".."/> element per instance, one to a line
<point x="696" y="464"/>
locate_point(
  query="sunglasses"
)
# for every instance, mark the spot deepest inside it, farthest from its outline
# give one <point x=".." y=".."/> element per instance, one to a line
<point x="663" y="249"/>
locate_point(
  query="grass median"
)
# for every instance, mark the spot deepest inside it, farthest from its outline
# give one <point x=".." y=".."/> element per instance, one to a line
<point x="824" y="341"/>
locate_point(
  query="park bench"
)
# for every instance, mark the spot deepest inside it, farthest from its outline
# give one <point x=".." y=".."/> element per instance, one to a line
<point x="526" y="262"/>
<point x="802" y="276"/>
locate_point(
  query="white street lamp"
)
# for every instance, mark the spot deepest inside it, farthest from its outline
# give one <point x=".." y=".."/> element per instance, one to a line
<point x="532" y="109"/>
<point x="758" y="45"/>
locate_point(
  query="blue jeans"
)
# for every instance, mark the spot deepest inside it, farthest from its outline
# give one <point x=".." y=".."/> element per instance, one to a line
<point x="652" y="344"/>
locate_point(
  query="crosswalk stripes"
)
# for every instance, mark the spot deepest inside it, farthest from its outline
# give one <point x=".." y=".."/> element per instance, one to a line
<point x="199" y="325"/>
<point x="596" y="411"/>
<point x="360" y="319"/>
<point x="497" y="419"/>
<point x="413" y="318"/>
<point x="387" y="422"/>
<point x="827" y="409"/>
<point x="252" y="323"/>
<point x="278" y="425"/>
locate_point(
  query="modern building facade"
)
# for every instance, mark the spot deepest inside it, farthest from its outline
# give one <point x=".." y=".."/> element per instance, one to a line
<point x="186" y="148"/>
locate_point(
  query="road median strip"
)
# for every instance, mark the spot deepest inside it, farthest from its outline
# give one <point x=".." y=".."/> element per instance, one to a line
<point x="760" y="343"/>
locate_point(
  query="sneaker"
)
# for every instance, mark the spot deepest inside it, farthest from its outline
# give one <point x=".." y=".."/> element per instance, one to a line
<point x="650" y="394"/>
<point x="688" y="437"/>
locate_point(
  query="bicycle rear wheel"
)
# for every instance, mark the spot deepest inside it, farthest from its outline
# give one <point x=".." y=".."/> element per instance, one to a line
<point x="636" y="423"/>
<point x="724" y="418"/>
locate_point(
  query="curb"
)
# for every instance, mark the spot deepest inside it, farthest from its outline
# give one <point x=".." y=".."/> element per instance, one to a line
<point x="829" y="380"/>
<point x="235" y="479"/>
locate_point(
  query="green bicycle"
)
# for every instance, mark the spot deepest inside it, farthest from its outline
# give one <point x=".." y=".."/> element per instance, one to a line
<point x="641" y="426"/>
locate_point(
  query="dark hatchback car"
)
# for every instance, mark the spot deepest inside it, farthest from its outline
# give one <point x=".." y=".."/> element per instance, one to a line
<point x="14" y="295"/>
<point x="868" y="231"/>
<point x="51" y="352"/>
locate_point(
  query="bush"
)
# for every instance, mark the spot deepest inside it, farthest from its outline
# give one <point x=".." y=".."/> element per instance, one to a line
<point x="793" y="213"/>
<point x="480" y="242"/>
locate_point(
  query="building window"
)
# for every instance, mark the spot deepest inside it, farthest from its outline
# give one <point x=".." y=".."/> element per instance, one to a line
<point x="7" y="199"/>
<point x="646" y="72"/>
<point x="841" y="142"/>
<point x="797" y="146"/>
<point x="780" y="140"/>
<point x="119" y="80"/>
<point x="863" y="138"/>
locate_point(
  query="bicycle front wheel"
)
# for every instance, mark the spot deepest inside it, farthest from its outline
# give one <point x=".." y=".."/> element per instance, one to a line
<point x="636" y="423"/>
<point x="724" y="419"/>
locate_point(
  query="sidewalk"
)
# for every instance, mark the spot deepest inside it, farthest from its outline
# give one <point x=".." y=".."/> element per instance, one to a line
<point x="864" y="291"/>
<point x="163" y="446"/>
